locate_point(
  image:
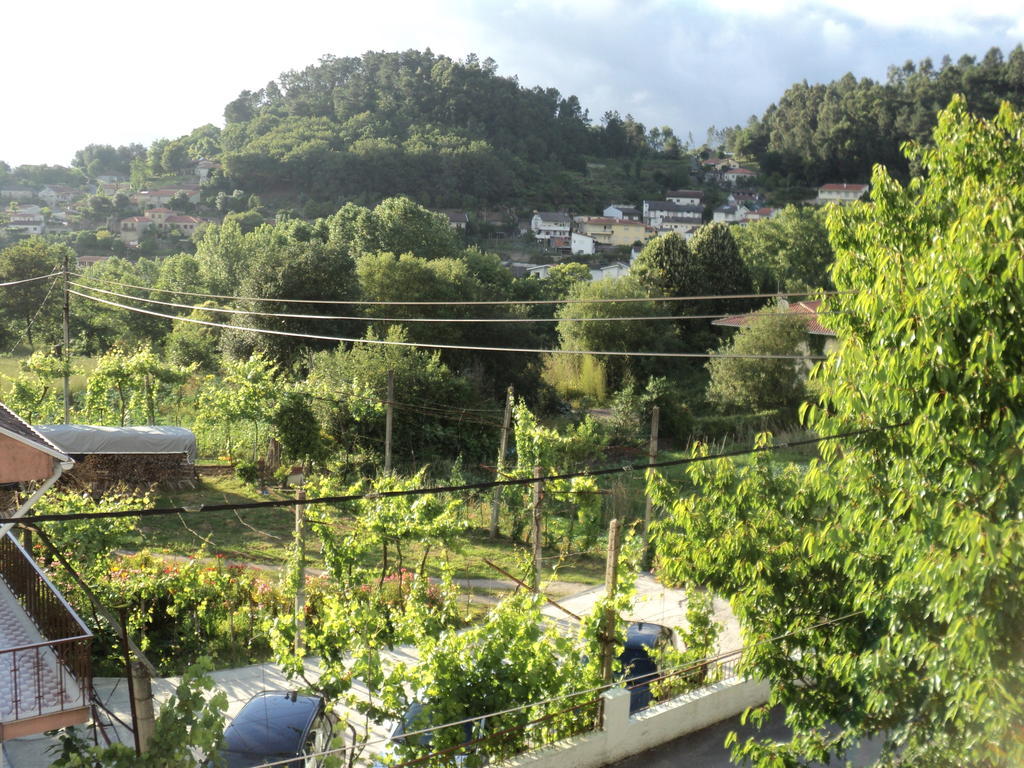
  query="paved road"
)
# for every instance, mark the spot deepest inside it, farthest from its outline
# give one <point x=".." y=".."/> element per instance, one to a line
<point x="704" y="749"/>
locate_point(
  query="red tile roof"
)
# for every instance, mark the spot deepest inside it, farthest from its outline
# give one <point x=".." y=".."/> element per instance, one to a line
<point x="843" y="187"/>
<point x="806" y="309"/>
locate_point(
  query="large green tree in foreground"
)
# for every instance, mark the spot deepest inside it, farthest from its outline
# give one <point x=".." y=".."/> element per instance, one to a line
<point x="892" y="568"/>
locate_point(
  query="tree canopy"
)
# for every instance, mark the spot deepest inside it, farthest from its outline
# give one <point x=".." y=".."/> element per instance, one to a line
<point x="889" y="573"/>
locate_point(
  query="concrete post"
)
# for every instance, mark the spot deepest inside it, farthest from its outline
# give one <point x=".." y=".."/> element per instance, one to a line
<point x="615" y="703"/>
<point x="142" y="692"/>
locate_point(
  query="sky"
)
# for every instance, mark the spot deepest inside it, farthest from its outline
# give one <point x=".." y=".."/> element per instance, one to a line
<point x="114" y="72"/>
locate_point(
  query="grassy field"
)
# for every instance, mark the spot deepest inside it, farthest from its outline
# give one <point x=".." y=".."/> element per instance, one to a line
<point x="263" y="536"/>
<point x="10" y="367"/>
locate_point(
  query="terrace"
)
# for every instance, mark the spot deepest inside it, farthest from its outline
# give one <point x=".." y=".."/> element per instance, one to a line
<point x="45" y="665"/>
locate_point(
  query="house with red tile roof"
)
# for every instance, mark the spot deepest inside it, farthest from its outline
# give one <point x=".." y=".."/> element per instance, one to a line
<point x="809" y="311"/>
<point x="840" y="193"/>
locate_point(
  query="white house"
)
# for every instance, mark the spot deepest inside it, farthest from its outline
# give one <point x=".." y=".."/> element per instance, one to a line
<point x="627" y="212"/>
<point x="27" y="223"/>
<point x="841" y="193"/>
<point x="738" y="176"/>
<point x="615" y="269"/>
<point x="684" y="227"/>
<point x="16" y="192"/>
<point x="685" y="197"/>
<point x="656" y="211"/>
<point x="583" y="245"/>
<point x="730" y="214"/>
<point x="52" y="194"/>
<point x="539" y="270"/>
<point x="545" y="224"/>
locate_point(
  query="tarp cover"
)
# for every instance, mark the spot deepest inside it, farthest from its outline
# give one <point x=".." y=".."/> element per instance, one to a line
<point x="80" y="438"/>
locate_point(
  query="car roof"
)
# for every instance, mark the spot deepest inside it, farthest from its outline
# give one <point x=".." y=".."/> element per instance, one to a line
<point x="271" y="724"/>
<point x="644" y="634"/>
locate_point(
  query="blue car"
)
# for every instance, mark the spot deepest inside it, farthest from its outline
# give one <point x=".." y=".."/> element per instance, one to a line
<point x="276" y="725"/>
<point x="638" y="668"/>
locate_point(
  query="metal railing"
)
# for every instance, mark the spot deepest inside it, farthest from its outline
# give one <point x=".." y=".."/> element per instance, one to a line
<point x="53" y="675"/>
<point x="499" y="743"/>
<point x="676" y="682"/>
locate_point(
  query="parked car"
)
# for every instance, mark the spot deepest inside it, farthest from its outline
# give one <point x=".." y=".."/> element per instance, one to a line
<point x="276" y="725"/>
<point x="638" y="667"/>
<point x="418" y="717"/>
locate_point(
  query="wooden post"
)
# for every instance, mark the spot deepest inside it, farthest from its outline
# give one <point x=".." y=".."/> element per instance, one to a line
<point x="652" y="454"/>
<point x="611" y="575"/>
<point x="502" y="450"/>
<point x="66" y="348"/>
<point x="300" y="579"/>
<point x="145" y="720"/>
<point x="388" y="416"/>
<point x="535" y="533"/>
<point x="132" y="700"/>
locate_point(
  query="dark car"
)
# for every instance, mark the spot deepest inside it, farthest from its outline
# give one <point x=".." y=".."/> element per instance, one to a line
<point x="418" y="717"/>
<point x="276" y="725"/>
<point x="638" y="668"/>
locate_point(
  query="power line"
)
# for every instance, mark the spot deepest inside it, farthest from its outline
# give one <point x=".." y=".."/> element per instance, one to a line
<point x="156" y="511"/>
<point x="373" y="319"/>
<point x="463" y="303"/>
<point x="29" y="279"/>
<point x="433" y="345"/>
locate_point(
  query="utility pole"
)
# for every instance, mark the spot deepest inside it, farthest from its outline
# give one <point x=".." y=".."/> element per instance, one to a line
<point x="502" y="450"/>
<point x="66" y="347"/>
<point x="611" y="576"/>
<point x="652" y="454"/>
<point x="300" y="578"/>
<point x="388" y="416"/>
<point x="537" y="494"/>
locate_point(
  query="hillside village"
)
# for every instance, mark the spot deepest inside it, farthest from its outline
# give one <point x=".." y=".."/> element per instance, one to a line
<point x="165" y="215"/>
<point x="412" y="416"/>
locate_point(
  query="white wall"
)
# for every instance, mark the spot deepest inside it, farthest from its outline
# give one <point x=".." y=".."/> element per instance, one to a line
<point x="623" y="735"/>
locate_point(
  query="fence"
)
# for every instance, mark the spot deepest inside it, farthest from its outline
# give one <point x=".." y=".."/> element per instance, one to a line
<point x="586" y="733"/>
<point x="53" y="675"/>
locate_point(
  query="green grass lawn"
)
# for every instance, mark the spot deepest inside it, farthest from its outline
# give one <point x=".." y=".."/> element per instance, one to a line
<point x="263" y="536"/>
<point x="10" y="367"/>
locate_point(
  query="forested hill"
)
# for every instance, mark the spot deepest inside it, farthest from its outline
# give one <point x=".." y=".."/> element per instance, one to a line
<point x="837" y="131"/>
<point x="445" y="132"/>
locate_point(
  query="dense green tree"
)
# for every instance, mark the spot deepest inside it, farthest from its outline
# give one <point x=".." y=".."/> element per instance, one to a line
<point x="22" y="310"/>
<point x="751" y="384"/>
<point x="594" y="302"/>
<point x="890" y="570"/>
<point x="789" y="252"/>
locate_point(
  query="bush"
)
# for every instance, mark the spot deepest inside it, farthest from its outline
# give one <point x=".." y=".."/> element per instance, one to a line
<point x="247" y="472"/>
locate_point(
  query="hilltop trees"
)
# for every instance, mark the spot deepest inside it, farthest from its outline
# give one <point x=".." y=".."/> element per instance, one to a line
<point x="891" y="569"/>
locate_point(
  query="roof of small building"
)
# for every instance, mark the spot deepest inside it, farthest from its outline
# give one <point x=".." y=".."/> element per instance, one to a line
<point x="740" y="172"/>
<point x="183" y="220"/>
<point x="625" y="208"/>
<point x="843" y="187"/>
<point x="557" y="217"/>
<point x="809" y="310"/>
<point x="457" y="217"/>
<point x="686" y="193"/>
<point x="136" y="219"/>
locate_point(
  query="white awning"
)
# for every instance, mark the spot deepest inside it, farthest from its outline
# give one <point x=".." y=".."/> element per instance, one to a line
<point x="86" y="439"/>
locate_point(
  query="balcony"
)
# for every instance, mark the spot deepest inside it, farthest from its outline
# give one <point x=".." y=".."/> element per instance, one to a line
<point x="45" y="661"/>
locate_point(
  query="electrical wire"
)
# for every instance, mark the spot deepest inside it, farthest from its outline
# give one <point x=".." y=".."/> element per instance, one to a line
<point x="55" y="273"/>
<point x="35" y="315"/>
<point x="372" y="319"/>
<point x="373" y="495"/>
<point x="462" y="303"/>
<point x="461" y="347"/>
